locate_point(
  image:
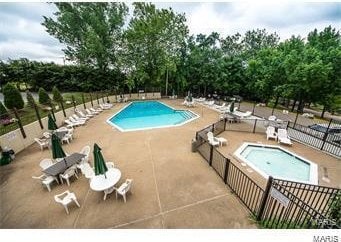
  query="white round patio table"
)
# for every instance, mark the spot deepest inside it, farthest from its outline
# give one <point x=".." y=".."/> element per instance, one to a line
<point x="101" y="183"/>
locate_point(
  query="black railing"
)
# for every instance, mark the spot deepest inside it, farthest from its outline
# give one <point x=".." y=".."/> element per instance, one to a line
<point x="326" y="141"/>
<point x="282" y="204"/>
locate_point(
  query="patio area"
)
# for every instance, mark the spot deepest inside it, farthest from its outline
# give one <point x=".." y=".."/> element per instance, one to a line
<point x="172" y="187"/>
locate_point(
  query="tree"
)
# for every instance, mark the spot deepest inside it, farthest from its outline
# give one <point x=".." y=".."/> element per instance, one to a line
<point x="30" y="99"/>
<point x="44" y="97"/>
<point x="91" y="32"/>
<point x="12" y="97"/>
<point x="154" y="40"/>
<point x="57" y="97"/>
<point x="3" y="111"/>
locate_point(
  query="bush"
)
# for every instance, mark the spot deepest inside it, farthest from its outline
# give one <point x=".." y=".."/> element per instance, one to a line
<point x="30" y="99"/>
<point x="44" y="97"/>
<point x="57" y="97"/>
<point x="12" y="97"/>
<point x="3" y="111"/>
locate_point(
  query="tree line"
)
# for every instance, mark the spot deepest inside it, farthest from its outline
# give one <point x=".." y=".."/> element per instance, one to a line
<point x="154" y="49"/>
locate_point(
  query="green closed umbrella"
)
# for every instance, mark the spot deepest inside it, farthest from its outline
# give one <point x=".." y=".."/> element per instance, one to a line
<point x="57" y="150"/>
<point x="100" y="167"/>
<point x="232" y="107"/>
<point x="51" y="123"/>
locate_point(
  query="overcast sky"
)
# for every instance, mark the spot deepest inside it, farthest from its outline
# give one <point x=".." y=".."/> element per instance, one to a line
<point x="22" y="35"/>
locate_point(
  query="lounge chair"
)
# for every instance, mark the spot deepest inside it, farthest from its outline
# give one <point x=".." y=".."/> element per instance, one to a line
<point x="282" y="137"/>
<point x="79" y="118"/>
<point x="246" y="114"/>
<point x="106" y="106"/>
<point x="272" y="118"/>
<point x="271" y="133"/>
<point x="209" y="103"/>
<point x="96" y="110"/>
<point x="82" y="115"/>
<point x="215" y="140"/>
<point x="190" y="104"/>
<point x="220" y="106"/>
<point x="91" y="113"/>
<point x="76" y="122"/>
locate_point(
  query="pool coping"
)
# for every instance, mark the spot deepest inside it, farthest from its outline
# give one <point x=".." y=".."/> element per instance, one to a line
<point x="313" y="176"/>
<point x="149" y="128"/>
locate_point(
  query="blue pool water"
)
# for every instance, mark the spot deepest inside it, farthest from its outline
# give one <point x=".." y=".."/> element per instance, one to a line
<point x="149" y="114"/>
<point x="277" y="163"/>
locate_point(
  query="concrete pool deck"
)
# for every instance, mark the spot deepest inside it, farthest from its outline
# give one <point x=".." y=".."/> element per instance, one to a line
<point x="172" y="187"/>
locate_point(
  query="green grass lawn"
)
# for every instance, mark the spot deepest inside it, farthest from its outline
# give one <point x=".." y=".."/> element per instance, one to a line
<point x="28" y="115"/>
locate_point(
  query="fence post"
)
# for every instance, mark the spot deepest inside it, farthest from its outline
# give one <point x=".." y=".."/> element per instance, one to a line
<point x="73" y="101"/>
<point x="92" y="104"/>
<point x="254" y="126"/>
<point x="326" y="134"/>
<point x="83" y="101"/>
<point x="19" y="123"/>
<point x="264" y="198"/>
<point x="38" y="116"/>
<point x="225" y="119"/>
<point x="213" y="128"/>
<point x="103" y="98"/>
<point x="62" y="105"/>
<point x="211" y="155"/>
<point x="227" y="167"/>
<point x="108" y="100"/>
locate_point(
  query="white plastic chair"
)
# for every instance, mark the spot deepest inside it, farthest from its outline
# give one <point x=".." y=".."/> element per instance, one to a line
<point x="90" y="112"/>
<point x="271" y="133"/>
<point x="87" y="170"/>
<point x="45" y="163"/>
<point x="46" y="180"/>
<point x="215" y="140"/>
<point x="272" y="118"/>
<point x="68" y="174"/>
<point x="46" y="135"/>
<point x="96" y="110"/>
<point x="65" y="199"/>
<point x="76" y="122"/>
<point x="79" y="119"/>
<point x="124" y="188"/>
<point x="42" y="143"/>
<point x="110" y="165"/>
<point x="282" y="137"/>
<point x="87" y="116"/>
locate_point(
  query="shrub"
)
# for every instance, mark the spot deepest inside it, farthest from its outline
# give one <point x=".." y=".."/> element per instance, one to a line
<point x="3" y="112"/>
<point x="30" y="99"/>
<point x="12" y="97"/>
<point x="44" y="97"/>
<point x="57" y="97"/>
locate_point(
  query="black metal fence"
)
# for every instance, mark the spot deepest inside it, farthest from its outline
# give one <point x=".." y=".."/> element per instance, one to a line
<point x="324" y="137"/>
<point x="298" y="205"/>
<point x="282" y="203"/>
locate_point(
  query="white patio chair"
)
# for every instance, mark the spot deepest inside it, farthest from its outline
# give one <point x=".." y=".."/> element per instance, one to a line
<point x="124" y="188"/>
<point x="104" y="106"/>
<point x="282" y="137"/>
<point x="68" y="174"/>
<point x="85" y="151"/>
<point x="271" y="133"/>
<point x="65" y="199"/>
<point x="43" y="143"/>
<point x="47" y="135"/>
<point x="88" y="171"/>
<point x="110" y="165"/>
<point x="46" y="180"/>
<point x="272" y="118"/>
<point x="221" y="140"/>
<point x="212" y="140"/>
<point x="45" y="163"/>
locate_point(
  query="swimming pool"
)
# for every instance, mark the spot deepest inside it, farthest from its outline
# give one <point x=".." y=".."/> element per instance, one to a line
<point x="143" y="115"/>
<point x="275" y="161"/>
